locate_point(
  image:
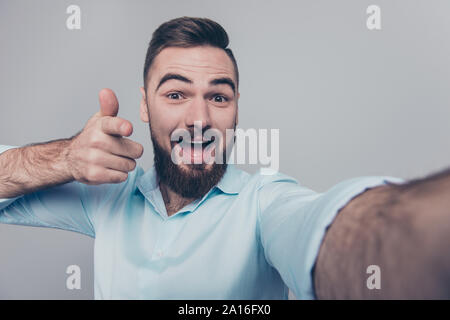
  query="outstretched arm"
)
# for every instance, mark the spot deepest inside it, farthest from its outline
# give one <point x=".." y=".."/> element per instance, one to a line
<point x="98" y="154"/>
<point x="34" y="167"/>
<point x="402" y="229"/>
<point x="39" y="183"/>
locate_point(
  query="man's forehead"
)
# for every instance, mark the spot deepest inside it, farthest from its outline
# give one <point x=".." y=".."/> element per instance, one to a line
<point x="198" y="61"/>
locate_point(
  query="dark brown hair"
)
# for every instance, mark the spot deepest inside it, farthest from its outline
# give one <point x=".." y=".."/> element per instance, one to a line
<point x="187" y="32"/>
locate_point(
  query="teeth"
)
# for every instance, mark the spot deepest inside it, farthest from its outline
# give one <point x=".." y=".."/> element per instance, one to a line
<point x="195" y="142"/>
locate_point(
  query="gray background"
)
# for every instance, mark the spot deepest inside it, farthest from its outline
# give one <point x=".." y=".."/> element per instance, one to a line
<point x="348" y="101"/>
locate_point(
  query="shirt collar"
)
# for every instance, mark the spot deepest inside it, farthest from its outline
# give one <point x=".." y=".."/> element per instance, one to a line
<point x="232" y="181"/>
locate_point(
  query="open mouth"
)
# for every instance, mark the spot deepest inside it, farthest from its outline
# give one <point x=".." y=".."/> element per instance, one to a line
<point x="195" y="151"/>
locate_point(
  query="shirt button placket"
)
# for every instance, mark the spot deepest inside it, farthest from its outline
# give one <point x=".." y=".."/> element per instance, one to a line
<point x="158" y="252"/>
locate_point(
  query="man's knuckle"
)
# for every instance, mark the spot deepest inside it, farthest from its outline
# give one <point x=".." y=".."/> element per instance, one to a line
<point x="120" y="177"/>
<point x="93" y="174"/>
<point x="137" y="150"/>
<point x="125" y="166"/>
<point x="91" y="156"/>
<point x="130" y="165"/>
<point x="95" y="141"/>
<point x="141" y="150"/>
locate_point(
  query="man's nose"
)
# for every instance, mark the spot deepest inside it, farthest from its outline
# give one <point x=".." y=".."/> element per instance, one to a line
<point x="198" y="114"/>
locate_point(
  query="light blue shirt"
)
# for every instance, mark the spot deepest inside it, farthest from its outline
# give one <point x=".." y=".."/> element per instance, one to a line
<point x="249" y="237"/>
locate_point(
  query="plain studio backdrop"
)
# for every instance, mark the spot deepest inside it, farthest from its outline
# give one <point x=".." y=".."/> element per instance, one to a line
<point x="348" y="101"/>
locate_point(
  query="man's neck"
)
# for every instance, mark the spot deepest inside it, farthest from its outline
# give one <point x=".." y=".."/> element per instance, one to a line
<point x="172" y="200"/>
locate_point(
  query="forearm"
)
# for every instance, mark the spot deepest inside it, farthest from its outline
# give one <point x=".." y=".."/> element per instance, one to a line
<point x="405" y="230"/>
<point x="34" y="167"/>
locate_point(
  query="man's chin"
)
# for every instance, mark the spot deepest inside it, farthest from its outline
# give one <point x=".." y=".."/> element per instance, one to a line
<point x="192" y="180"/>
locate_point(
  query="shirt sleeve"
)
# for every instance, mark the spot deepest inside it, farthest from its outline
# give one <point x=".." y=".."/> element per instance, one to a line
<point x="72" y="206"/>
<point x="6" y="201"/>
<point x="293" y="220"/>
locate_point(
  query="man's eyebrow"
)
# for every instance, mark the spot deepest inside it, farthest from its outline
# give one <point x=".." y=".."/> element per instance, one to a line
<point x="224" y="80"/>
<point x="176" y="76"/>
<point x="172" y="76"/>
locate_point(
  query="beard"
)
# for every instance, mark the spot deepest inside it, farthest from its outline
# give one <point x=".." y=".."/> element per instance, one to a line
<point x="191" y="183"/>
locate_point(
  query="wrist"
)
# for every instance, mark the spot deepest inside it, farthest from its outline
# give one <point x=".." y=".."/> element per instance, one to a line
<point x="65" y="164"/>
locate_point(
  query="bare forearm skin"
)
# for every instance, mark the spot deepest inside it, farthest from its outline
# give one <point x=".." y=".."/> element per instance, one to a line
<point x="33" y="167"/>
<point x="403" y="229"/>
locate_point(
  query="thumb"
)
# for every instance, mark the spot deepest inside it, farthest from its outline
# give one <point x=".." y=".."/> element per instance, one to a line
<point x="109" y="105"/>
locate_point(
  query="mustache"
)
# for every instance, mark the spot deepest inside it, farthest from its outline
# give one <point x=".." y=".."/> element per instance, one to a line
<point x="193" y="134"/>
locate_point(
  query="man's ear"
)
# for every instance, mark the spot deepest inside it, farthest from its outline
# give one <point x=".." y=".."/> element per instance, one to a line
<point x="143" y="107"/>
<point x="237" y="108"/>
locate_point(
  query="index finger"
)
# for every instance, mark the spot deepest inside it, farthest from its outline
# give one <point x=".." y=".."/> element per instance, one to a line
<point x="116" y="126"/>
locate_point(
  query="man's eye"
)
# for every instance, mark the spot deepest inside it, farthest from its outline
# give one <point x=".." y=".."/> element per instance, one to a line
<point x="174" y="96"/>
<point x="220" y="99"/>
